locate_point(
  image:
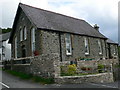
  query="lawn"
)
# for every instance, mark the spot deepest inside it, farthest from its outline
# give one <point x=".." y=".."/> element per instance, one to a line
<point x="31" y="77"/>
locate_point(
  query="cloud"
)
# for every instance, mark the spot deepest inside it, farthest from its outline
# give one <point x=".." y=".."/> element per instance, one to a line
<point x="102" y="12"/>
<point x="8" y="12"/>
<point x="0" y="16"/>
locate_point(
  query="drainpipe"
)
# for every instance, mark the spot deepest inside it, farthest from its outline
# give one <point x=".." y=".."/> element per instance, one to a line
<point x="60" y="46"/>
<point x="106" y="49"/>
<point x="111" y="67"/>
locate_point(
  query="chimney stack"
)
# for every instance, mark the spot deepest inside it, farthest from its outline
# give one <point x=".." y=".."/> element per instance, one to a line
<point x="96" y="27"/>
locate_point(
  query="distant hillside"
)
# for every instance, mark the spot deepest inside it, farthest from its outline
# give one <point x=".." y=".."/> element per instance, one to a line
<point x="119" y="51"/>
<point x="3" y="30"/>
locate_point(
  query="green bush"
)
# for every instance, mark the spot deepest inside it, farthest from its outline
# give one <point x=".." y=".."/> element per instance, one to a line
<point x="119" y="51"/>
<point x="6" y="30"/>
<point x="72" y="69"/>
<point x="100" y="68"/>
<point x="68" y="70"/>
<point x="43" y="80"/>
<point x="19" y="74"/>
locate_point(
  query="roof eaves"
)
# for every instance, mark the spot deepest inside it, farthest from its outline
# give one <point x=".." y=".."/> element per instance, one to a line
<point x="113" y="43"/>
<point x="12" y="32"/>
<point x="70" y="33"/>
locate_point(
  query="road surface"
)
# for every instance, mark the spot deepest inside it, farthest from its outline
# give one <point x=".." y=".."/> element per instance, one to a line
<point x="9" y="81"/>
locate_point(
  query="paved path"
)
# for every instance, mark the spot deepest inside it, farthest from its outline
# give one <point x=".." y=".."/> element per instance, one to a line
<point x="15" y="82"/>
<point x="9" y="81"/>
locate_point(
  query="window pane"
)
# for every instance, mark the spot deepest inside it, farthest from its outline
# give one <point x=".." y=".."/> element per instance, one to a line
<point x="15" y="47"/>
<point x="100" y="47"/>
<point x="25" y="33"/>
<point x="33" y="40"/>
<point x="33" y="35"/>
<point x="21" y="34"/>
<point x="114" y="50"/>
<point x="68" y="44"/>
<point x="86" y="46"/>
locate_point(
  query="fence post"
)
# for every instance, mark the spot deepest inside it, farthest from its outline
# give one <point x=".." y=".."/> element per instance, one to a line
<point x="12" y="64"/>
<point x="111" y="67"/>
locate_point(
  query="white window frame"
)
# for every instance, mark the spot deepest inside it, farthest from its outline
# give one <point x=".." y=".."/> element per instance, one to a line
<point x="115" y="50"/>
<point x="86" y="46"/>
<point x="21" y="35"/>
<point x="68" y="39"/>
<point x="25" y="33"/>
<point x="33" y="40"/>
<point x="100" y="46"/>
<point x="15" y="47"/>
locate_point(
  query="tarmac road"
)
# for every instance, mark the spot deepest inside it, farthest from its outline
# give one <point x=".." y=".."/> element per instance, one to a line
<point x="9" y="81"/>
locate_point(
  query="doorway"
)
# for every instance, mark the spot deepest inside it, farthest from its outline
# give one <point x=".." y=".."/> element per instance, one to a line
<point x="23" y="51"/>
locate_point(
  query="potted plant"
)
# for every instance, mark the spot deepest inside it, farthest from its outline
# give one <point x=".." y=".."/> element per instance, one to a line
<point x="100" y="68"/>
<point x="36" y="53"/>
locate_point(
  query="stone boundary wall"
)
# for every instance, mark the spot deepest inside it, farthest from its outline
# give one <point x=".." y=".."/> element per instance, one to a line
<point x="48" y="65"/>
<point x="97" y="78"/>
<point x="92" y="63"/>
<point x="43" y="65"/>
<point x="110" y="67"/>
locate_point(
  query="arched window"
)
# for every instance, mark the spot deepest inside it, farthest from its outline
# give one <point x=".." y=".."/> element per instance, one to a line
<point x="33" y="40"/>
<point x="21" y="35"/>
<point x="99" y="46"/>
<point x="25" y="33"/>
<point x="86" y="46"/>
<point x="15" y="47"/>
<point x="68" y="44"/>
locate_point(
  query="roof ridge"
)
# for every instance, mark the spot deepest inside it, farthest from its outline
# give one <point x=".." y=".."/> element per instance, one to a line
<point x="5" y="33"/>
<point x="111" y="41"/>
<point x="51" y="12"/>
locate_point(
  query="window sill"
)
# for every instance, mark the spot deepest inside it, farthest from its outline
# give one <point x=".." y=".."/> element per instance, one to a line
<point x="22" y="64"/>
<point x="87" y="54"/>
<point x="100" y="54"/>
<point x="23" y="40"/>
<point x="68" y="54"/>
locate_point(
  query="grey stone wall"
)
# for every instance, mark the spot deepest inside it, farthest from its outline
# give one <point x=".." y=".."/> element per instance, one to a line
<point x="78" y="48"/>
<point x="21" y="68"/>
<point x="50" y="42"/>
<point x="42" y="65"/>
<point x="97" y="78"/>
<point x="109" y="66"/>
<point x="48" y="65"/>
<point x="112" y="47"/>
<point x="23" y="21"/>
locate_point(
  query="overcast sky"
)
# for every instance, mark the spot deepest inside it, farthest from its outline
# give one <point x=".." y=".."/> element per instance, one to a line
<point x="101" y="12"/>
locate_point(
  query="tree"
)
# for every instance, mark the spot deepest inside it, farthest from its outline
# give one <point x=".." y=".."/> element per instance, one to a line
<point x="119" y="51"/>
<point x="5" y="30"/>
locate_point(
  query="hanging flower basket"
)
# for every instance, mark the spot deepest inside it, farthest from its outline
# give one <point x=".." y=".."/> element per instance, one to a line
<point x="36" y="53"/>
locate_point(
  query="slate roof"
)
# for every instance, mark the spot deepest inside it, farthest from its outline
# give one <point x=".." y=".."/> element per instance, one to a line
<point x="44" y="19"/>
<point x="4" y="37"/>
<point x="111" y="42"/>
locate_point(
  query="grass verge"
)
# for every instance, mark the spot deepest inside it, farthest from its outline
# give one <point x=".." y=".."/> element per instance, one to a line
<point x="117" y="66"/>
<point x="31" y="77"/>
<point x="1" y="68"/>
<point x="80" y="74"/>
